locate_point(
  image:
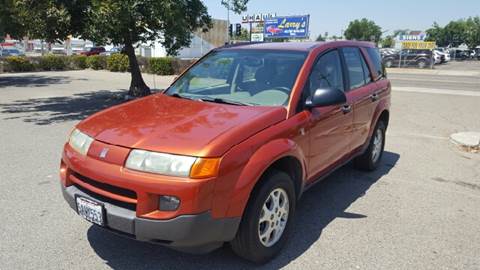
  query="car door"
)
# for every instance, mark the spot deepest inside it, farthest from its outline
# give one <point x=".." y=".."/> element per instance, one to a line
<point x="362" y="93"/>
<point x="329" y="127"/>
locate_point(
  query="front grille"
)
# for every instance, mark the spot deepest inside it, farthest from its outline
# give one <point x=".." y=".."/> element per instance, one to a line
<point x="130" y="206"/>
<point x="107" y="187"/>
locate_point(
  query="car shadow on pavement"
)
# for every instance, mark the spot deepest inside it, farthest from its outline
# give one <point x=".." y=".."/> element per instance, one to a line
<point x="317" y="208"/>
<point x="45" y="111"/>
<point x="32" y="80"/>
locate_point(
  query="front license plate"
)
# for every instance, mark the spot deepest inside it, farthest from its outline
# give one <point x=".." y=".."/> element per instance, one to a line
<point x="90" y="210"/>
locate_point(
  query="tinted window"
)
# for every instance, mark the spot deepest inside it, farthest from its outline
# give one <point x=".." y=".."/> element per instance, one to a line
<point x="327" y="73"/>
<point x="353" y="59"/>
<point x="376" y="59"/>
<point x="366" y="70"/>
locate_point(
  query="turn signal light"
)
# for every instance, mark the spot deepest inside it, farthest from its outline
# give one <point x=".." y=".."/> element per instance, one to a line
<point x="205" y="168"/>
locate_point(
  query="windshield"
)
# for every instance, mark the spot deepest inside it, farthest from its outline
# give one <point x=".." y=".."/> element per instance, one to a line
<point x="242" y="77"/>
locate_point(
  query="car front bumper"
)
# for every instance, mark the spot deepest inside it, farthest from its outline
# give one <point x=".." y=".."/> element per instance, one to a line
<point x="199" y="233"/>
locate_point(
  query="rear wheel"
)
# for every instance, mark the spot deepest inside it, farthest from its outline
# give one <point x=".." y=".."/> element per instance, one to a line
<point x="370" y="160"/>
<point x="422" y="64"/>
<point x="267" y="220"/>
<point x="388" y="63"/>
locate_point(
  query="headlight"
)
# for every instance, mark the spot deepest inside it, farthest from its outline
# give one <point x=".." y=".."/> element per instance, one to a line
<point x="174" y="165"/>
<point x="80" y="141"/>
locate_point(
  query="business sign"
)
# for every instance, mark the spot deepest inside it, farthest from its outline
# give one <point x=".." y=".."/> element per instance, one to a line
<point x="413" y="36"/>
<point x="257" y="18"/>
<point x="286" y="27"/>
<point x="418" y="45"/>
<point x="257" y="37"/>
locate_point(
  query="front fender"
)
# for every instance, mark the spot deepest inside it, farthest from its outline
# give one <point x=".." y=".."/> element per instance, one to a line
<point x="258" y="163"/>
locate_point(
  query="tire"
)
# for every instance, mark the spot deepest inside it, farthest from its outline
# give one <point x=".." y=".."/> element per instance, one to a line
<point x="422" y="64"/>
<point x="248" y="243"/>
<point x="388" y="63"/>
<point x="370" y="160"/>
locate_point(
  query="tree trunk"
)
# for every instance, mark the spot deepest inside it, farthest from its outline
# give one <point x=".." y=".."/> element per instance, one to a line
<point x="138" y="88"/>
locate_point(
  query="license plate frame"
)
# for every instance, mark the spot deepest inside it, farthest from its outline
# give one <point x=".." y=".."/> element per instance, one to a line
<point x="91" y="210"/>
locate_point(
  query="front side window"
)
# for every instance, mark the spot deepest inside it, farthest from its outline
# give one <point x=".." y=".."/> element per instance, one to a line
<point x="243" y="76"/>
<point x="327" y="73"/>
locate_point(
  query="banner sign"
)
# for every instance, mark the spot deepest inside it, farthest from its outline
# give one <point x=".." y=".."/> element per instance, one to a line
<point x="287" y="27"/>
<point x="418" y="45"/>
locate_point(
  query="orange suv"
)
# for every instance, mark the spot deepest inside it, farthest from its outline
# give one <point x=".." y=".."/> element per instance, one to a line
<point x="224" y="154"/>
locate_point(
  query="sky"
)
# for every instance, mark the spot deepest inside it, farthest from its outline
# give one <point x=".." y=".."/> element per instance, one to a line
<point x="333" y="16"/>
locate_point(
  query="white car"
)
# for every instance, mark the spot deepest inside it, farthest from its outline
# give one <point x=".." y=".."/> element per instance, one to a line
<point x="445" y="52"/>
<point x="437" y="57"/>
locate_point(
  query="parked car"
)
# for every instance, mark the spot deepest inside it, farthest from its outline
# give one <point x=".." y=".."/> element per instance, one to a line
<point x="418" y="58"/>
<point x="225" y="153"/>
<point x="94" y="51"/>
<point x="10" y="52"/>
<point x="461" y="55"/>
<point x="438" y="57"/>
<point x="477" y="50"/>
<point x="114" y="50"/>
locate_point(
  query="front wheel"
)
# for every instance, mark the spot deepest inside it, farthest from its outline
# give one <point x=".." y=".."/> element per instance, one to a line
<point x="370" y="160"/>
<point x="267" y="220"/>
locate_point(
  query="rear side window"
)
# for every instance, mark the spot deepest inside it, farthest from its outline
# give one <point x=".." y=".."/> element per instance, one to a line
<point x="376" y="59"/>
<point x="358" y="71"/>
<point x="327" y="73"/>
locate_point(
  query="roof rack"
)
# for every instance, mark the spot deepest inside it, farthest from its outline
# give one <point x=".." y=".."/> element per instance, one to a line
<point x="240" y="44"/>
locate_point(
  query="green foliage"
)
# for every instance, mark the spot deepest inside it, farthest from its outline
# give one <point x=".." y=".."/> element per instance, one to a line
<point x="161" y="66"/>
<point x="18" y="64"/>
<point x="52" y="62"/>
<point x="456" y="32"/>
<point x="320" y="38"/>
<point x="96" y="62"/>
<point x="117" y="62"/>
<point x="237" y="6"/>
<point x="78" y="61"/>
<point x="363" y="29"/>
<point x="387" y="42"/>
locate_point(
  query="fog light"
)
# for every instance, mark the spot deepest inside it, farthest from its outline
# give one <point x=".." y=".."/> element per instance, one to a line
<point x="169" y="203"/>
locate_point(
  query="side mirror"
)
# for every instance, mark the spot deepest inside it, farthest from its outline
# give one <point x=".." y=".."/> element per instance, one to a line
<point x="326" y="97"/>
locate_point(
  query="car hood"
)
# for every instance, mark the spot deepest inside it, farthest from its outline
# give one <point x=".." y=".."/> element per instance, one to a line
<point x="179" y="126"/>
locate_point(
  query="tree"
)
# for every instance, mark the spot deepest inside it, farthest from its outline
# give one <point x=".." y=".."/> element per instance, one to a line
<point x="121" y="22"/>
<point x="387" y="42"/>
<point x="130" y="22"/>
<point x="244" y="35"/>
<point x="320" y="38"/>
<point x="456" y="32"/>
<point x="237" y="6"/>
<point x="363" y="29"/>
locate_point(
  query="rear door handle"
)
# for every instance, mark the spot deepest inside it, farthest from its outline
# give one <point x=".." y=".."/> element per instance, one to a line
<point x="346" y="108"/>
<point x="374" y="97"/>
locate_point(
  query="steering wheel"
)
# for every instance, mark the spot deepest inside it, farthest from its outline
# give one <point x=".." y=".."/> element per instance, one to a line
<point x="284" y="89"/>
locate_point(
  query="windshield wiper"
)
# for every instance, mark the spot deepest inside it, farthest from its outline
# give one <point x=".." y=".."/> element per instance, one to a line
<point x="177" y="95"/>
<point x="224" y="101"/>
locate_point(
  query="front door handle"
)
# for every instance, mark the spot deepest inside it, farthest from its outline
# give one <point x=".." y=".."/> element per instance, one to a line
<point x="346" y="108"/>
<point x="374" y="97"/>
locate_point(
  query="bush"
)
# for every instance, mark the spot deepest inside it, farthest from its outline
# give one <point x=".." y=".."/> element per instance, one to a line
<point x="96" y="62"/>
<point x="161" y="66"/>
<point x="78" y="61"/>
<point x="52" y="62"/>
<point x="18" y="64"/>
<point x="117" y="62"/>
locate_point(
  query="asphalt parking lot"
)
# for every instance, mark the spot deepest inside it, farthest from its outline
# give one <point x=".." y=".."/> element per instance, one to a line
<point x="420" y="210"/>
